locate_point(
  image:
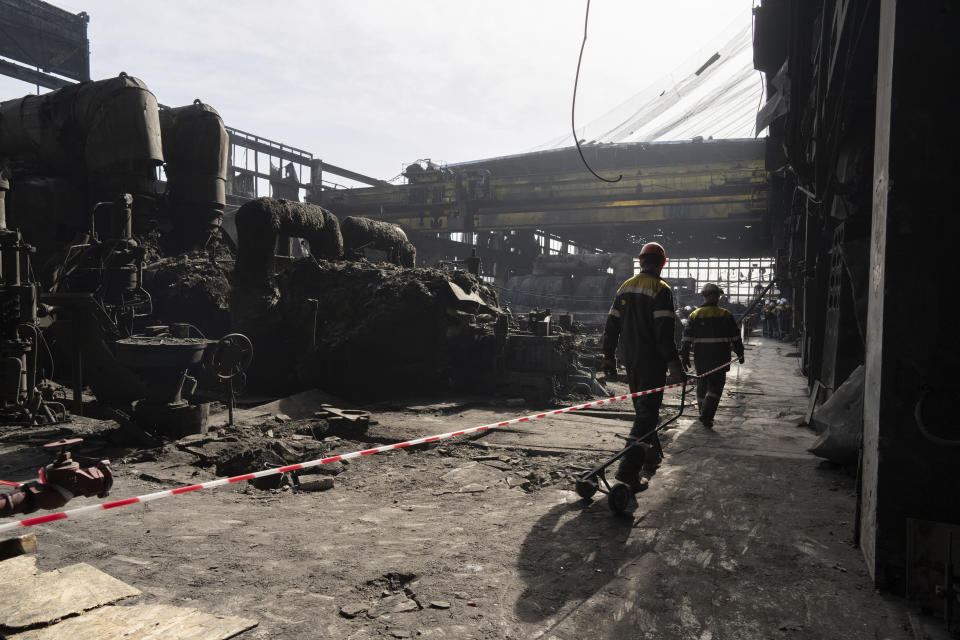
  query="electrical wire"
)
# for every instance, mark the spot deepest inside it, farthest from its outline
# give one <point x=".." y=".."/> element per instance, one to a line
<point x="763" y="88"/>
<point x="853" y="299"/>
<point x="46" y="346"/>
<point x="573" y="105"/>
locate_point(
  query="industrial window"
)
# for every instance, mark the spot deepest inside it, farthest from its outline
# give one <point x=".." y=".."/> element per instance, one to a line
<point x="464" y="237"/>
<point x="541" y="239"/>
<point x="740" y="278"/>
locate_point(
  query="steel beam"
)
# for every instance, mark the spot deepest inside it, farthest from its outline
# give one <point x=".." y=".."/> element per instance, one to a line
<point x="325" y="167"/>
<point x="33" y="76"/>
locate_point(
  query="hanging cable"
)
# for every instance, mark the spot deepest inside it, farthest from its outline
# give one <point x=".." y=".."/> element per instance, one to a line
<point x="573" y="106"/>
<point x="763" y="88"/>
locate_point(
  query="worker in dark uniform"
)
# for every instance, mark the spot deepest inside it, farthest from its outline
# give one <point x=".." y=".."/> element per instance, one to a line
<point x="711" y="331"/>
<point x="768" y="317"/>
<point x="642" y="321"/>
<point x="783" y="318"/>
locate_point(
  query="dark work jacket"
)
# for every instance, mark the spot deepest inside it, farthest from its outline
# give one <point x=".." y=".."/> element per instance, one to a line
<point x="712" y="332"/>
<point x="642" y="320"/>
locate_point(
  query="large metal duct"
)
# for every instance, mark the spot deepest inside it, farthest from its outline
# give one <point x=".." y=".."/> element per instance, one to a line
<point x="360" y="233"/>
<point x="261" y="221"/>
<point x="107" y="130"/>
<point x="196" y="148"/>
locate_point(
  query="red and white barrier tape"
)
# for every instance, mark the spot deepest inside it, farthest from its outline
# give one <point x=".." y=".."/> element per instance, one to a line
<point x="9" y="484"/>
<point x="150" y="497"/>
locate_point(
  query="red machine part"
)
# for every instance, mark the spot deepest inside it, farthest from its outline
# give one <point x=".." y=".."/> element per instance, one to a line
<point x="59" y="482"/>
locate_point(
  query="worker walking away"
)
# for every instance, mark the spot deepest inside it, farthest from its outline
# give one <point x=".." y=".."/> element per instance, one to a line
<point x="784" y="312"/>
<point x="642" y="321"/>
<point x="769" y="319"/>
<point x="711" y="331"/>
<point x="778" y="311"/>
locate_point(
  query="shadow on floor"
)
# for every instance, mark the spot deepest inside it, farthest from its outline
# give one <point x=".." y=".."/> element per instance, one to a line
<point x="571" y="553"/>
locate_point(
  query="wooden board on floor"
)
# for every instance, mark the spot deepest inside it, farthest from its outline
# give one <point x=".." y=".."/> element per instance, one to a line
<point x="143" y="622"/>
<point x="15" y="570"/>
<point x="43" y="598"/>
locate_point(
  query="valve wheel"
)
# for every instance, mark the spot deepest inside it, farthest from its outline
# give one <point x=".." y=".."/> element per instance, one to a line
<point x="63" y="442"/>
<point x="231" y="356"/>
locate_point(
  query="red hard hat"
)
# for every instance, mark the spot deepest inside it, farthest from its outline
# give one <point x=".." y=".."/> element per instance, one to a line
<point x="653" y="248"/>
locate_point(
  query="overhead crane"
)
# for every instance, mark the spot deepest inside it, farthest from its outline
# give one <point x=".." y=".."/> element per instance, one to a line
<point x="704" y="197"/>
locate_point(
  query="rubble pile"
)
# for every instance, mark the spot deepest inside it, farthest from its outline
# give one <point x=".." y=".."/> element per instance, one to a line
<point x="192" y="288"/>
<point x="244" y="449"/>
<point x="379" y="329"/>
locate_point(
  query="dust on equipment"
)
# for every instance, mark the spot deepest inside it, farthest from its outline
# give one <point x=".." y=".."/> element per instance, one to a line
<point x="20" y="401"/>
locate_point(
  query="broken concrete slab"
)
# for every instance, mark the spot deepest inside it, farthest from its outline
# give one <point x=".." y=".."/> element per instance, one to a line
<point x="471" y="302"/>
<point x="353" y="609"/>
<point x="398" y="603"/>
<point x="317" y="484"/>
<point x="472" y="473"/>
<point x="296" y="407"/>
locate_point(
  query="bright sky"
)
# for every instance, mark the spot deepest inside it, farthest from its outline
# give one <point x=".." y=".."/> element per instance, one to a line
<point x="371" y="85"/>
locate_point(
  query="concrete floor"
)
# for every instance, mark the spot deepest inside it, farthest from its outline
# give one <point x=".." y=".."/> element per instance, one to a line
<point x="742" y="533"/>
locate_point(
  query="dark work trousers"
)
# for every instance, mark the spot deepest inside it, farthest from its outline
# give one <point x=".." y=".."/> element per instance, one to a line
<point x="709" y="391"/>
<point x="647" y="409"/>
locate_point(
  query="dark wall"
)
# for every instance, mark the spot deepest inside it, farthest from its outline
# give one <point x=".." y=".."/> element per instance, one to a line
<point x="857" y="235"/>
<point x="917" y="352"/>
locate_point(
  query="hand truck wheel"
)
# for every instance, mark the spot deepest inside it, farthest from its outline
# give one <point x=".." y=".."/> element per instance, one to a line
<point x="619" y="498"/>
<point x="587" y="488"/>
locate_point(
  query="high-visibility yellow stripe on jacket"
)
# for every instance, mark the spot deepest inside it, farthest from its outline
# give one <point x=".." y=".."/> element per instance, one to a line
<point x="642" y="320"/>
<point x="711" y="332"/>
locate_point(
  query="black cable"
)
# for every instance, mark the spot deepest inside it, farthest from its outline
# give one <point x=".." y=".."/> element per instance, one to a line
<point x="763" y="88"/>
<point x="573" y="106"/>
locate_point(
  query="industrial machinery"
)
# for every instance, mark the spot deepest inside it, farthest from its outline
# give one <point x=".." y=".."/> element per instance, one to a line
<point x="162" y="363"/>
<point x="107" y="263"/>
<point x="85" y="159"/>
<point x="20" y="401"/>
<point x="582" y="283"/>
<point x="59" y="481"/>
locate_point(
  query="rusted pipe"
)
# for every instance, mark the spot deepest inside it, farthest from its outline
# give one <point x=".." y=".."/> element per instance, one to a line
<point x="359" y="233"/>
<point x="261" y="221"/>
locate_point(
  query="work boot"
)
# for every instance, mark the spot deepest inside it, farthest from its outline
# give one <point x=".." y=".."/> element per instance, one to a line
<point x="710" y="403"/>
<point x="700" y="392"/>
<point x="633" y="480"/>
<point x="651" y="464"/>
